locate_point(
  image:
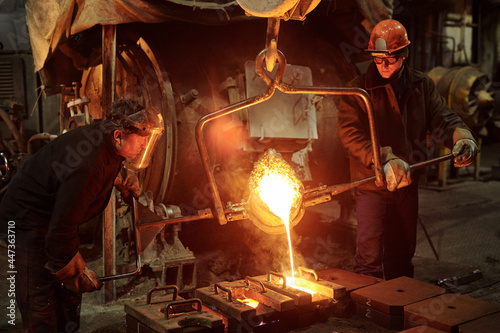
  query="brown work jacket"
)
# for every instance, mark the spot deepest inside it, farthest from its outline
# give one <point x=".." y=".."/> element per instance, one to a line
<point x="404" y="129"/>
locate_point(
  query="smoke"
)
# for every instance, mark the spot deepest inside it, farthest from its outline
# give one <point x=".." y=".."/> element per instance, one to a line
<point x="268" y="252"/>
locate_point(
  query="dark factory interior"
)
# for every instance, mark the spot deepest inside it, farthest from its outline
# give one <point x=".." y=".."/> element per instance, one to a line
<point x="240" y="90"/>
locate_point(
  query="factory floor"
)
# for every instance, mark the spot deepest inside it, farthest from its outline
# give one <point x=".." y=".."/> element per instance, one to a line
<point x="461" y="219"/>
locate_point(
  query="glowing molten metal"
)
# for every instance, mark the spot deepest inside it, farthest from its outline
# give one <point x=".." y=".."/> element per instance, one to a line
<point x="248" y="301"/>
<point x="276" y="186"/>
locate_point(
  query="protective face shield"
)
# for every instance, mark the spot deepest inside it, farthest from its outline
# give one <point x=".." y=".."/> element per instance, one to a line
<point x="145" y="123"/>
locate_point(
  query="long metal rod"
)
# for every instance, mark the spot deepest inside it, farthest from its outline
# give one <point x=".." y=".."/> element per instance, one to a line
<point x="310" y="197"/>
<point x="339" y="188"/>
<point x="428" y="238"/>
<point x="108" y="96"/>
<point x="137" y="247"/>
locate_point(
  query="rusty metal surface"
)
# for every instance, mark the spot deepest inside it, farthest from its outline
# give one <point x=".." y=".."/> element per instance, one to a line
<point x="391" y="296"/>
<point x="151" y="316"/>
<point x="447" y="311"/>
<point x="325" y="288"/>
<point x="270" y="298"/>
<point x="350" y="280"/>
<point x="488" y="324"/>
<point x="300" y="297"/>
<point x="392" y="322"/>
<point x="220" y="300"/>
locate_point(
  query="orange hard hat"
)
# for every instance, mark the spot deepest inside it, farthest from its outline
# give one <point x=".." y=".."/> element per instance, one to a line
<point x="388" y="37"/>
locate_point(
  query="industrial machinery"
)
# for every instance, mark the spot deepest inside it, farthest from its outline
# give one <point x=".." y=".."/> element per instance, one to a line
<point x="227" y="95"/>
<point x="189" y="70"/>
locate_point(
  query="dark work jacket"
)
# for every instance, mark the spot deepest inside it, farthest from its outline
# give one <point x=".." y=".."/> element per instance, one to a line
<point x="66" y="183"/>
<point x="423" y="111"/>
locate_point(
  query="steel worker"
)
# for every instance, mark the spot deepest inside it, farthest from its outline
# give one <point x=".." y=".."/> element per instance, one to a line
<point x="64" y="184"/>
<point x="407" y="107"/>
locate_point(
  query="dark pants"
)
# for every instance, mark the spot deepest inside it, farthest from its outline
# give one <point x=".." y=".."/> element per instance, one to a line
<point x="386" y="240"/>
<point x="45" y="304"/>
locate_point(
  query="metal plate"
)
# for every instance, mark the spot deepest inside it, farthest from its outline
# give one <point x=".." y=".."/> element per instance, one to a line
<point x="446" y="312"/>
<point x="391" y="296"/>
<point x="322" y="287"/>
<point x="291" y="116"/>
<point x="219" y="301"/>
<point x="151" y="317"/>
<point x="391" y="322"/>
<point x="350" y="280"/>
<point x="300" y="297"/>
<point x="488" y="324"/>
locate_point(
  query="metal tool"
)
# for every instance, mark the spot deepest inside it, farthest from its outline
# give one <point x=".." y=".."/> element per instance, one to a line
<point x="137" y="248"/>
<point x="312" y="195"/>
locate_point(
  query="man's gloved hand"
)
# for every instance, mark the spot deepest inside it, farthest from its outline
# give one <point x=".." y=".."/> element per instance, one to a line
<point x="465" y="151"/>
<point x="77" y="277"/>
<point x="397" y="174"/>
<point x="127" y="183"/>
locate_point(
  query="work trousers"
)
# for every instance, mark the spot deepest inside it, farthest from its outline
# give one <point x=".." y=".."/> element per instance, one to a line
<point x="46" y="306"/>
<point x="386" y="232"/>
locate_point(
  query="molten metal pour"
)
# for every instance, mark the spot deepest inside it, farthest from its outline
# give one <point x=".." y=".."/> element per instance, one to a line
<point x="274" y="185"/>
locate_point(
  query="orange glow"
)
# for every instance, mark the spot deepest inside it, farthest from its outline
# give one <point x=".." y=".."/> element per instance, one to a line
<point x="290" y="282"/>
<point x="279" y="195"/>
<point x="278" y="187"/>
<point x="248" y="301"/>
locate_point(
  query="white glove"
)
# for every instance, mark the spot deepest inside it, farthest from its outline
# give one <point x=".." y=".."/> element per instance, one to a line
<point x="465" y="151"/>
<point x="397" y="174"/>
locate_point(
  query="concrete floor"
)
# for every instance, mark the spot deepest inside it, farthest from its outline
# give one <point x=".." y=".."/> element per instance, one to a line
<point x="461" y="219"/>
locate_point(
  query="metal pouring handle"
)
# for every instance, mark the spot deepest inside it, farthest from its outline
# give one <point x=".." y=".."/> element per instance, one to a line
<point x="339" y="188"/>
<point x="416" y="166"/>
<point x="413" y="167"/>
<point x="163" y="288"/>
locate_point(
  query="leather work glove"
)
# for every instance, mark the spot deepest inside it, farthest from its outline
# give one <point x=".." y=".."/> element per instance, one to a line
<point x="465" y="151"/>
<point x="397" y="174"/>
<point x="127" y="183"/>
<point x="77" y="277"/>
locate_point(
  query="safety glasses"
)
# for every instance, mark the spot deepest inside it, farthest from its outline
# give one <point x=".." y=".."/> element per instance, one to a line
<point x="387" y="60"/>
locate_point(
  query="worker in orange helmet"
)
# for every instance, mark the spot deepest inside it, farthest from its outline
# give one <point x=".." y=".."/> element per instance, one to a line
<point x="407" y="106"/>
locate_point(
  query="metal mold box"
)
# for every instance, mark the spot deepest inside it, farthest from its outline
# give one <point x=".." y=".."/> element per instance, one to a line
<point x="159" y="315"/>
<point x="446" y="312"/>
<point x="350" y="280"/>
<point x="391" y="296"/>
<point x="488" y="324"/>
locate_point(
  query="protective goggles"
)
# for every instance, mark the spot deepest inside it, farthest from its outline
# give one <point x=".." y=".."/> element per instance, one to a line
<point x="387" y="60"/>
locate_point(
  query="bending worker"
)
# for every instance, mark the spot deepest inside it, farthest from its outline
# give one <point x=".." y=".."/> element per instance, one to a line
<point x="64" y="184"/>
<point x="407" y="106"/>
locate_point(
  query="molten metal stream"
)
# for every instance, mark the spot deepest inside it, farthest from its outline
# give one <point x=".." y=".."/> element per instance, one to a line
<point x="277" y="186"/>
<point x="279" y="196"/>
<point x="287" y="226"/>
